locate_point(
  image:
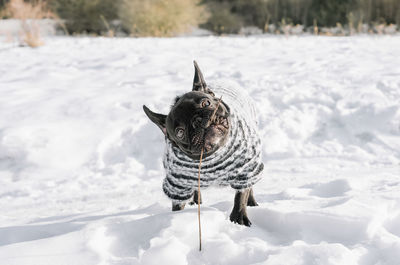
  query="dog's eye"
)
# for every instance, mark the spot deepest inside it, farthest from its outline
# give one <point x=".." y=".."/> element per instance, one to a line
<point x="180" y="133"/>
<point x="205" y="103"/>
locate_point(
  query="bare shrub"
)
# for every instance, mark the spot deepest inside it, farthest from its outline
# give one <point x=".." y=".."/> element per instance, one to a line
<point x="88" y="16"/>
<point x="28" y="13"/>
<point x="160" y="17"/>
<point x="222" y="20"/>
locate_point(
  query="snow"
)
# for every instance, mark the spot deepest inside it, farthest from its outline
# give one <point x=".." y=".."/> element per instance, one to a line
<point x="81" y="170"/>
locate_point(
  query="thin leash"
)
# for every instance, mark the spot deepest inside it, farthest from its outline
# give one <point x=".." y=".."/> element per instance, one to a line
<point x="198" y="182"/>
<point x="198" y="198"/>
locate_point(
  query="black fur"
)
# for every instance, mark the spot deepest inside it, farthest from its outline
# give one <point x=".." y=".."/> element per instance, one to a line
<point x="187" y="127"/>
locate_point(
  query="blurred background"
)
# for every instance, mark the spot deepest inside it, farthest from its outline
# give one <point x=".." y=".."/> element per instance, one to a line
<point x="166" y="18"/>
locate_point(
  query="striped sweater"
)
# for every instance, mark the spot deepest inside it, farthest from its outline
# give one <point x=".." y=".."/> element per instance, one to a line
<point x="238" y="163"/>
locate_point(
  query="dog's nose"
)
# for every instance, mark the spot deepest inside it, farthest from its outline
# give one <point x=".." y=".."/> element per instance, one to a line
<point x="197" y="122"/>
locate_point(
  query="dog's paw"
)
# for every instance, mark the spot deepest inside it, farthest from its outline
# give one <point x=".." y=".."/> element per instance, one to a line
<point x="177" y="206"/>
<point x="252" y="202"/>
<point x="240" y="217"/>
<point x="194" y="202"/>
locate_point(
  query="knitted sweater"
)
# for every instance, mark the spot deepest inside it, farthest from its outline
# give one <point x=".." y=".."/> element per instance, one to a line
<point x="238" y="163"/>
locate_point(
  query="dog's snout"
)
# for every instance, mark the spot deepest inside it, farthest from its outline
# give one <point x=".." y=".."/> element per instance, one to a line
<point x="197" y="122"/>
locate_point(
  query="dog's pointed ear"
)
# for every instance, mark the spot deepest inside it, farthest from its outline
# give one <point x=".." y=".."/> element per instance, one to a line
<point x="199" y="84"/>
<point x="158" y="119"/>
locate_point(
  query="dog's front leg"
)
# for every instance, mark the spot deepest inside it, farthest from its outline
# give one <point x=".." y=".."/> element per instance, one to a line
<point x="196" y="198"/>
<point x="239" y="213"/>
<point x="251" y="201"/>
<point x="177" y="206"/>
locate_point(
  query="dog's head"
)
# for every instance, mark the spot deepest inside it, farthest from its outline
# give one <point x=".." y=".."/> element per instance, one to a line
<point x="188" y="125"/>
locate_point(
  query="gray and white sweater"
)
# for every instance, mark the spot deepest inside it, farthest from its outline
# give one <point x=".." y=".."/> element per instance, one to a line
<point x="238" y="163"/>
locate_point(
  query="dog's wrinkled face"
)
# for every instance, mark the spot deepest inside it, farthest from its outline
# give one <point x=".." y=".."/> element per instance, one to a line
<point x="188" y="125"/>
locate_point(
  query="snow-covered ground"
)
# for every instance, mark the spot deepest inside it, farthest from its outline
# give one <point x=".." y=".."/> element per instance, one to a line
<point x="80" y="163"/>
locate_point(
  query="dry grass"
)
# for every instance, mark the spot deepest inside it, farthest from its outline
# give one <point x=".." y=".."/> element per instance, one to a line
<point x="28" y="13"/>
<point x="160" y="18"/>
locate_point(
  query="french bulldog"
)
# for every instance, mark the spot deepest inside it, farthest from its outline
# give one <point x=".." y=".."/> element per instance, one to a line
<point x="232" y="147"/>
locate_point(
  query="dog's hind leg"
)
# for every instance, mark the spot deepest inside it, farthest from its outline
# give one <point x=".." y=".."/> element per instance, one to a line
<point x="195" y="198"/>
<point x="239" y="212"/>
<point x="177" y="206"/>
<point x="251" y="201"/>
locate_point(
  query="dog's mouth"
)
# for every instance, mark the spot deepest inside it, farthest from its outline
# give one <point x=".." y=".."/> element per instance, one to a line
<point x="220" y="123"/>
<point x="212" y="137"/>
